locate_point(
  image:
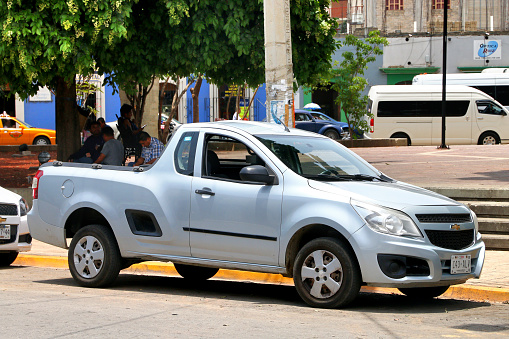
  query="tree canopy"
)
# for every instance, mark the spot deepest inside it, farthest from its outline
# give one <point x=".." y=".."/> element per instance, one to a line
<point x="46" y="43"/>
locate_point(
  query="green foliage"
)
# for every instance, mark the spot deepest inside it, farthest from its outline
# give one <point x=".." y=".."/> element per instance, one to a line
<point x="41" y="41"/>
<point x="350" y="82"/>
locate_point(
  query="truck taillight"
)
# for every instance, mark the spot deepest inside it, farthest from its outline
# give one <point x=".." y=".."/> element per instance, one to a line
<point x="372" y="125"/>
<point x="35" y="183"/>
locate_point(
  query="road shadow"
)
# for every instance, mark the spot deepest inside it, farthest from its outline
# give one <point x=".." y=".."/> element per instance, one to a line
<point x="259" y="293"/>
<point x="500" y="176"/>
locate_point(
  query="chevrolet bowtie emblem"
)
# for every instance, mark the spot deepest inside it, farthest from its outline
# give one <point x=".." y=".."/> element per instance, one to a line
<point x="455" y="227"/>
<point x="3" y="219"/>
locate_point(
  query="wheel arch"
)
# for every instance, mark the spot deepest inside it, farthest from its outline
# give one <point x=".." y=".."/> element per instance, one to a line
<point x="307" y="234"/>
<point x="483" y="133"/>
<point x="82" y="217"/>
<point x="338" y="129"/>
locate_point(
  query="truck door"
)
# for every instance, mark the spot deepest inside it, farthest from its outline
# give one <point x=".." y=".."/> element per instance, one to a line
<point x="230" y="219"/>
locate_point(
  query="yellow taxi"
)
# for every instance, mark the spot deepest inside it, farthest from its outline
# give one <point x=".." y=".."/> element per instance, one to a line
<point x="16" y="132"/>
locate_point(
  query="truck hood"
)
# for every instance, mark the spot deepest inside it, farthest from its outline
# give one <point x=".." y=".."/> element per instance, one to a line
<point x="396" y="195"/>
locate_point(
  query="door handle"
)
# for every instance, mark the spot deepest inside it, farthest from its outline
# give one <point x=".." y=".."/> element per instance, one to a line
<point x="480" y="118"/>
<point x="205" y="192"/>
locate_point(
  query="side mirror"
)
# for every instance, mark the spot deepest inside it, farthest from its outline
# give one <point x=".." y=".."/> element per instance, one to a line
<point x="256" y="174"/>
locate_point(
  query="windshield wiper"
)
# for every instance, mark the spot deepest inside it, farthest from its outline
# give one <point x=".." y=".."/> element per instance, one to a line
<point x="346" y="177"/>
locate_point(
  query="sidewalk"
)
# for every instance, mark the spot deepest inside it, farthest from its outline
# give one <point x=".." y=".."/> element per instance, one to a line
<point x="461" y="167"/>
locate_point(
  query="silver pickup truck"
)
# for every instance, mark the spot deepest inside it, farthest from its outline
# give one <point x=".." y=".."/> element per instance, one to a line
<point x="258" y="197"/>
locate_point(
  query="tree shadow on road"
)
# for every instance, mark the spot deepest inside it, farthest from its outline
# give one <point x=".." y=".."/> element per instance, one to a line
<point x="499" y="176"/>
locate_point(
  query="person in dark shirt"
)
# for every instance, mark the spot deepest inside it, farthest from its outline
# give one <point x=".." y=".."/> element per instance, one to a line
<point x="91" y="149"/>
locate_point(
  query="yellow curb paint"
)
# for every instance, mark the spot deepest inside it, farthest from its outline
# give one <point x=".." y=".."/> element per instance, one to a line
<point x="465" y="291"/>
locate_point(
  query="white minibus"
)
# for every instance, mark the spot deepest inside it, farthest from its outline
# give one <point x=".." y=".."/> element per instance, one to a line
<point x="415" y="113"/>
<point x="495" y="84"/>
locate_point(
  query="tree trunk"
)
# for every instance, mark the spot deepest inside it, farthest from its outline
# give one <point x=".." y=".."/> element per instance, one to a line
<point x="174" y="107"/>
<point x="195" y="92"/>
<point x="66" y="117"/>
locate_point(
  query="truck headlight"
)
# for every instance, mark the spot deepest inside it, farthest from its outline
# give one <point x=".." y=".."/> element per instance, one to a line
<point x="386" y="220"/>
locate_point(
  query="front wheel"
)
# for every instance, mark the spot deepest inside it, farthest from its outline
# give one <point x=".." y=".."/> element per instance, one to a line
<point x="424" y="292"/>
<point x="94" y="258"/>
<point x="489" y="138"/>
<point x="7" y="258"/>
<point x="330" y="133"/>
<point x="326" y="273"/>
<point x="195" y="273"/>
<point x="41" y="141"/>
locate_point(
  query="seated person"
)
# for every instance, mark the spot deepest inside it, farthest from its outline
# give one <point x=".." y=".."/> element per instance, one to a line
<point x="102" y="122"/>
<point x="112" y="152"/>
<point x="91" y="149"/>
<point x="152" y="149"/>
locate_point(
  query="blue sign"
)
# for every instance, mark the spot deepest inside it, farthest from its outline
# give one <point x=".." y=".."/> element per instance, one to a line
<point x="487" y="49"/>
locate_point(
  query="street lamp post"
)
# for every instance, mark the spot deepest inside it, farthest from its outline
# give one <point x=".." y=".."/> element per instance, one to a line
<point x="444" y="77"/>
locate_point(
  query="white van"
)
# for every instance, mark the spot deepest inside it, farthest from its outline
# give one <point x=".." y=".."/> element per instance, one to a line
<point x="415" y="113"/>
<point x="494" y="83"/>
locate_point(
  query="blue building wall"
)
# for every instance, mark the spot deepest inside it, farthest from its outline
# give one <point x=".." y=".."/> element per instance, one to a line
<point x="40" y="113"/>
<point x="112" y="102"/>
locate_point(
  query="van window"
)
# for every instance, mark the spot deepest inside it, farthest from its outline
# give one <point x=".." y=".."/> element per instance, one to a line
<point x="503" y="95"/>
<point x="423" y="108"/>
<point x="489" y="107"/>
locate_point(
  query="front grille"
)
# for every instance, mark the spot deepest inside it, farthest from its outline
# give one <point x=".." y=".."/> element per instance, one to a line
<point x="444" y="218"/>
<point x="453" y="240"/>
<point x="8" y="209"/>
<point x="14" y="234"/>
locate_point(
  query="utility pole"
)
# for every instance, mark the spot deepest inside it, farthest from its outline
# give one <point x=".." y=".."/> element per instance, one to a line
<point x="278" y="62"/>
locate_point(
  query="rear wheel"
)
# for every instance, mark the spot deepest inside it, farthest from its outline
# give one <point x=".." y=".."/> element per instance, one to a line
<point x="330" y="133"/>
<point x="424" y="292"/>
<point x="41" y="141"/>
<point x="489" y="138"/>
<point x="197" y="273"/>
<point x="94" y="257"/>
<point x="326" y="273"/>
<point x="402" y="135"/>
<point x="7" y="258"/>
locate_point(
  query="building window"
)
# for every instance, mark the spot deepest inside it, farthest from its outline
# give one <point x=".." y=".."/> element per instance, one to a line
<point x="394" y="5"/>
<point x="439" y="4"/>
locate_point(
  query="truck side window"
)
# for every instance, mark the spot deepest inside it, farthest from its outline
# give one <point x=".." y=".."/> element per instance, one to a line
<point x="224" y="157"/>
<point x="185" y="153"/>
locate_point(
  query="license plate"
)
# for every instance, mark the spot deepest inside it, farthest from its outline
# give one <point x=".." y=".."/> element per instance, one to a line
<point x="461" y="264"/>
<point x="5" y="231"/>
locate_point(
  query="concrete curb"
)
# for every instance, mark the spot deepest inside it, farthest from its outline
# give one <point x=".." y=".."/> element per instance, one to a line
<point x="464" y="291"/>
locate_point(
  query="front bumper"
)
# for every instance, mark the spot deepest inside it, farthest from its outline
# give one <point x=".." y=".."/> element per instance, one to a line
<point x="21" y="241"/>
<point x="368" y="244"/>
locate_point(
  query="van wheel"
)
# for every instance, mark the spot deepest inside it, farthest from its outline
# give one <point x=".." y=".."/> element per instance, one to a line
<point x="330" y="133"/>
<point x="94" y="258"/>
<point x="489" y="138"/>
<point x="326" y="273"/>
<point x="7" y="258"/>
<point x="424" y="292"/>
<point x="402" y="135"/>
<point x="194" y="273"/>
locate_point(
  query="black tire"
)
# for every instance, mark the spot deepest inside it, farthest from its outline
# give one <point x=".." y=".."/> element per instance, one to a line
<point x="41" y="141"/>
<point x="424" y="292"/>
<point x="95" y="240"/>
<point x="7" y="258"/>
<point x="330" y="133"/>
<point x="343" y="274"/>
<point x="195" y="273"/>
<point x="489" y="138"/>
<point x="403" y="135"/>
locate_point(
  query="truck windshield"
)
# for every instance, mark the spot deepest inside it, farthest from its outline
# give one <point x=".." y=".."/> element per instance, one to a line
<point x="319" y="158"/>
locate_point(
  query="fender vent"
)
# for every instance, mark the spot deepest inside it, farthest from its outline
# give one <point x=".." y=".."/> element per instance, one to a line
<point x="143" y="223"/>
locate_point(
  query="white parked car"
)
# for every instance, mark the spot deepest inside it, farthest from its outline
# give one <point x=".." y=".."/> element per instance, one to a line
<point x="14" y="234"/>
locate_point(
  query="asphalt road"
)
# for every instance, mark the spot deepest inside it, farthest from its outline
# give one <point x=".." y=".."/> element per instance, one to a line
<point x="46" y="303"/>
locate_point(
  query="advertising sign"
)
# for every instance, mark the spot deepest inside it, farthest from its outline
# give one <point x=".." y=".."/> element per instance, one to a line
<point x="43" y="94"/>
<point x="487" y="49"/>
